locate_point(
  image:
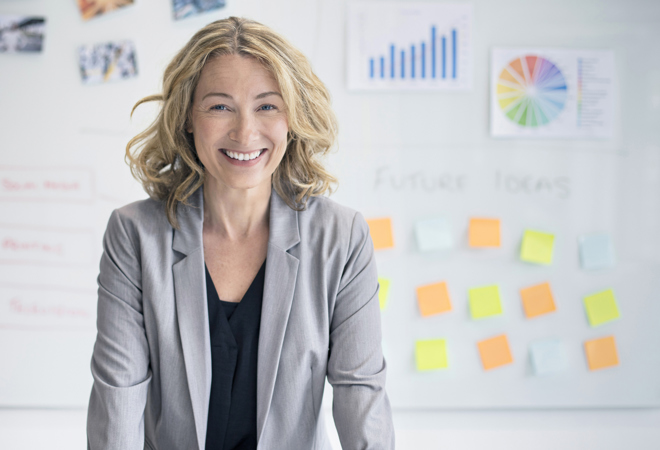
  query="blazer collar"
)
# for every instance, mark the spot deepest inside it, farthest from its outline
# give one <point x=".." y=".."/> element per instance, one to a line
<point x="192" y="312"/>
<point x="188" y="238"/>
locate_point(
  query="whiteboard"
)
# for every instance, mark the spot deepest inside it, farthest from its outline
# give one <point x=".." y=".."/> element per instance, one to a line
<point x="67" y="141"/>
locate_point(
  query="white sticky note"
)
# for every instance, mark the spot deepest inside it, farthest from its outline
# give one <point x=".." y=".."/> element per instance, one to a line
<point x="596" y="251"/>
<point x="433" y="234"/>
<point x="548" y="357"/>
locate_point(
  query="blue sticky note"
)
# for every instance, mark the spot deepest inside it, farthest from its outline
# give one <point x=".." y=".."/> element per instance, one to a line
<point x="433" y="234"/>
<point x="596" y="251"/>
<point x="548" y="357"/>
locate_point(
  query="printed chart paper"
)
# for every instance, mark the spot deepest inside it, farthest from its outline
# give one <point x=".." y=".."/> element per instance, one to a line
<point x="93" y="8"/>
<point x="105" y="62"/>
<point x="21" y="34"/>
<point x="552" y="93"/>
<point x="409" y="46"/>
<point x="187" y="8"/>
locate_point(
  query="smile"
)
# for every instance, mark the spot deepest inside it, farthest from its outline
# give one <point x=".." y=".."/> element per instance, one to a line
<point x="243" y="156"/>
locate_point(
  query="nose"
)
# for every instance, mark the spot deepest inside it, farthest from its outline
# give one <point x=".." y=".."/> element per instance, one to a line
<point x="245" y="129"/>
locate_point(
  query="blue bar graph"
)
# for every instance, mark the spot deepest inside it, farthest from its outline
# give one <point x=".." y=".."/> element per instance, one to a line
<point x="453" y="53"/>
<point x="432" y="52"/>
<point x="412" y="61"/>
<point x="444" y="57"/>
<point x="423" y="60"/>
<point x="438" y="50"/>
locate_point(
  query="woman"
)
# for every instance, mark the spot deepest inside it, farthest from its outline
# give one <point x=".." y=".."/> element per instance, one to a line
<point x="227" y="298"/>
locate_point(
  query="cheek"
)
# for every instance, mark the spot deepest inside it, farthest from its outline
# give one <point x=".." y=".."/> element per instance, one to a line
<point x="281" y="131"/>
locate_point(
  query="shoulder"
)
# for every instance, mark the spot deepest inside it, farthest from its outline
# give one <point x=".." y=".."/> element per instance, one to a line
<point x="325" y="217"/>
<point x="139" y="216"/>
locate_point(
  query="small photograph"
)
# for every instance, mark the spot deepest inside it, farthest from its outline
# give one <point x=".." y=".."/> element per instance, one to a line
<point x="187" y="8"/>
<point x="93" y="8"/>
<point x="21" y="33"/>
<point x="106" y="62"/>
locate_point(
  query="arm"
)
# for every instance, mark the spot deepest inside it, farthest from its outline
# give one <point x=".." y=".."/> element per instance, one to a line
<point x="120" y="362"/>
<point x="356" y="368"/>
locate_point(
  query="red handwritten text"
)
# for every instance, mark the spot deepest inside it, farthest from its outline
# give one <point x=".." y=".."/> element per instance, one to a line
<point x="14" y="245"/>
<point x="13" y="185"/>
<point x="19" y="307"/>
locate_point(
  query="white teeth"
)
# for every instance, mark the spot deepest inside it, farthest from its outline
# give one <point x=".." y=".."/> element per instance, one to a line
<point x="243" y="156"/>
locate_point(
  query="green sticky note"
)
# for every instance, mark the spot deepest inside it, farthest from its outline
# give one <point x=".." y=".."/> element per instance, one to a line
<point x="383" y="292"/>
<point x="601" y="308"/>
<point x="537" y="247"/>
<point x="485" y="301"/>
<point x="431" y="354"/>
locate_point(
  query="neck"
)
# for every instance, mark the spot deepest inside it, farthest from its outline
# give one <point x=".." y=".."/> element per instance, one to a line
<point x="235" y="213"/>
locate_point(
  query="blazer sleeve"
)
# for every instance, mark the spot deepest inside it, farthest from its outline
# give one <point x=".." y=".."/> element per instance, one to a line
<point x="356" y="367"/>
<point x="120" y="361"/>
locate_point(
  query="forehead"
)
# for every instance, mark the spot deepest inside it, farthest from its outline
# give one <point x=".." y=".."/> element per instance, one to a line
<point x="235" y="75"/>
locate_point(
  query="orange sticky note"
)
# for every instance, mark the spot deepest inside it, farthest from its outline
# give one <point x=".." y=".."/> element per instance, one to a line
<point x="495" y="352"/>
<point x="433" y="299"/>
<point x="537" y="300"/>
<point x="484" y="232"/>
<point x="381" y="233"/>
<point x="601" y="353"/>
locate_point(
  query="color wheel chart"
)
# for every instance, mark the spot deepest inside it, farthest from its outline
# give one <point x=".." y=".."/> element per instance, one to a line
<point x="410" y="46"/>
<point x="531" y="91"/>
<point x="552" y="93"/>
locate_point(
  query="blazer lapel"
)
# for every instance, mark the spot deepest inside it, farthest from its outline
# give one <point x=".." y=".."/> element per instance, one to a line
<point x="279" y="287"/>
<point x="192" y="313"/>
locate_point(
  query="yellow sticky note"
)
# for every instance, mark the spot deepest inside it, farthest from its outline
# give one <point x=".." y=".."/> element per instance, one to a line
<point x="431" y="354"/>
<point x="601" y="308"/>
<point x="537" y="247"/>
<point x="484" y="232"/>
<point x="381" y="233"/>
<point x="601" y="353"/>
<point x="495" y="352"/>
<point x="537" y="300"/>
<point x="485" y="301"/>
<point x="433" y="299"/>
<point x="383" y="292"/>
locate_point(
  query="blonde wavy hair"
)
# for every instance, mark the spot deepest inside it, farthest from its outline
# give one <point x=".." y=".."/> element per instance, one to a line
<point x="163" y="157"/>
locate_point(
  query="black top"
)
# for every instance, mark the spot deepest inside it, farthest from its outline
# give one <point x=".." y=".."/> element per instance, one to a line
<point x="232" y="418"/>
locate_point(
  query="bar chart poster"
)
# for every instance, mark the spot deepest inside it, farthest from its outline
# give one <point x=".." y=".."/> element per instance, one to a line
<point x="409" y="46"/>
<point x="551" y="93"/>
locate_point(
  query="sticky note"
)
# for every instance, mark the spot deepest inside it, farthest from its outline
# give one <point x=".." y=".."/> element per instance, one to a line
<point x="485" y="301"/>
<point x="537" y="300"/>
<point x="383" y="292"/>
<point x="381" y="233"/>
<point x="431" y="354"/>
<point x="596" y="252"/>
<point x="433" y="299"/>
<point x="495" y="352"/>
<point x="484" y="232"/>
<point x="433" y="234"/>
<point x="537" y="247"/>
<point x="548" y="357"/>
<point x="601" y="308"/>
<point x="601" y="353"/>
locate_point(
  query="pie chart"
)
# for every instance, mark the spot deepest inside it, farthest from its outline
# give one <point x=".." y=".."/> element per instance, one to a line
<point x="531" y="91"/>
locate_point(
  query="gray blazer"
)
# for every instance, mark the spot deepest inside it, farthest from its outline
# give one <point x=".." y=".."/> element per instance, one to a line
<point x="320" y="317"/>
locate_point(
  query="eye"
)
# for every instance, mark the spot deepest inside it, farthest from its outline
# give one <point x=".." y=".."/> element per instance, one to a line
<point x="268" y="107"/>
<point x="219" y="108"/>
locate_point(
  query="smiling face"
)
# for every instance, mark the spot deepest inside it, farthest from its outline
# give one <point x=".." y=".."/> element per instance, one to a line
<point x="239" y="123"/>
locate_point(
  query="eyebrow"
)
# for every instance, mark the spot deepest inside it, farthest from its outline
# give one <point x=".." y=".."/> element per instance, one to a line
<point x="258" y="97"/>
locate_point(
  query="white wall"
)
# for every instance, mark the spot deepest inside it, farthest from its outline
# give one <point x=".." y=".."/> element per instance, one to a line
<point x="42" y="107"/>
